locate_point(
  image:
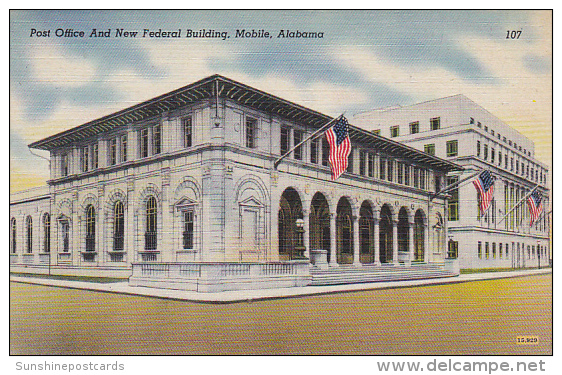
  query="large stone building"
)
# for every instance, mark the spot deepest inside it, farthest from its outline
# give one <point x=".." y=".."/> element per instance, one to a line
<point x="187" y="183"/>
<point x="457" y="129"/>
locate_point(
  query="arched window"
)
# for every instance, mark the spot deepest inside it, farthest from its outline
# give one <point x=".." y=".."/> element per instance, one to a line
<point x="151" y="221"/>
<point x="13" y="233"/>
<point x="47" y="233"/>
<point x="90" y="228"/>
<point x="29" y="234"/>
<point x="118" y="227"/>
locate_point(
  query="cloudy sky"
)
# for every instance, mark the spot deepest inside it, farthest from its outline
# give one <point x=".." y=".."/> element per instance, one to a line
<point x="366" y="60"/>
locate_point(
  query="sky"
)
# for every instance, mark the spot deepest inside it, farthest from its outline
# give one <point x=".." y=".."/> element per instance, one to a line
<point x="365" y="60"/>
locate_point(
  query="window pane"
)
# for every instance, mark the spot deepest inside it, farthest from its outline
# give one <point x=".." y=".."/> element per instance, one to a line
<point x="251" y="132"/>
<point x="187" y="126"/>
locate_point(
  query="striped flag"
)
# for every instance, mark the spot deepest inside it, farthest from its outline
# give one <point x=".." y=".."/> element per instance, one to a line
<point x="340" y="146"/>
<point x="534" y="201"/>
<point x="485" y="186"/>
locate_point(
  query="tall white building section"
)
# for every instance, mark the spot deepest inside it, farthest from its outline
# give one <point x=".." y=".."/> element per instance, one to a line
<point x="459" y="130"/>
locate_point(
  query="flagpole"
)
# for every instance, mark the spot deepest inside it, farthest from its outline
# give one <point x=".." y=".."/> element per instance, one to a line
<point x="303" y="141"/>
<point x="518" y="203"/>
<point x="449" y="187"/>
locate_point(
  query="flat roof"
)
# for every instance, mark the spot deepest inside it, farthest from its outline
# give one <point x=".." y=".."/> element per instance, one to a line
<point x="217" y="86"/>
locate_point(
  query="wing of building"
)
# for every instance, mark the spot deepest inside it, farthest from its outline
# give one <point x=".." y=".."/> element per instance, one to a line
<point x="459" y="130"/>
<point x="185" y="185"/>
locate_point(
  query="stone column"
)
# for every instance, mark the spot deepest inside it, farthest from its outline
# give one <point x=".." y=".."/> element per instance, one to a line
<point x="167" y="250"/>
<point x="356" y="250"/>
<point x="130" y="224"/>
<point x="410" y="243"/>
<point x="333" y="241"/>
<point x="306" y="234"/>
<point x="426" y="241"/>
<point x="75" y="231"/>
<point x="376" y="234"/>
<point x="395" y="242"/>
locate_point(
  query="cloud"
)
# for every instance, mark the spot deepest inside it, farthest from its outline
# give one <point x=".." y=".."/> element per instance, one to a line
<point x="53" y="66"/>
<point x="519" y="96"/>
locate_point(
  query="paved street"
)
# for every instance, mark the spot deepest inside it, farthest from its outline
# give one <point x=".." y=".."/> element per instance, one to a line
<point x="480" y="317"/>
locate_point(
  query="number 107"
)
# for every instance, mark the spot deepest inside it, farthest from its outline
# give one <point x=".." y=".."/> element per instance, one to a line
<point x="513" y="34"/>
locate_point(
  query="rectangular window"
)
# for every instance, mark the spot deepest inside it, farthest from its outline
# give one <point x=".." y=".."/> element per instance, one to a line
<point x="517" y="166"/>
<point x="506" y="250"/>
<point x="479" y="250"/>
<point x="414" y="127"/>
<point x="350" y="162"/>
<point x="394" y="131"/>
<point x="285" y="140"/>
<point x="325" y="152"/>
<point x="416" y="177"/>
<point x="494" y="250"/>
<point x="478" y="148"/>
<point x="422" y="178"/>
<point x="406" y="174"/>
<point x="95" y="156"/>
<point x="435" y="123"/>
<point x="362" y="162"/>
<point x="65" y="235"/>
<point x="429" y="149"/>
<point x="123" y="148"/>
<point x="84" y="158"/>
<point x="452" y="148"/>
<point x="64" y="165"/>
<point x="506" y="160"/>
<point x="371" y="164"/>
<point x="187" y="126"/>
<point x="512" y="164"/>
<point x="487" y="250"/>
<point x="188" y="230"/>
<point x="501" y="250"/>
<point x="400" y="172"/>
<point x="453" y="203"/>
<point x="113" y="151"/>
<point x="314" y="151"/>
<point x="485" y="152"/>
<point x="251" y="132"/>
<point x="157" y="139"/>
<point x="499" y="159"/>
<point x="144" y="143"/>
<point x="297" y="138"/>
<point x="492" y="155"/>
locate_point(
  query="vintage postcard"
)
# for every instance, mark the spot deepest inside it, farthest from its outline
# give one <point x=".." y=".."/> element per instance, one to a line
<point x="283" y="182"/>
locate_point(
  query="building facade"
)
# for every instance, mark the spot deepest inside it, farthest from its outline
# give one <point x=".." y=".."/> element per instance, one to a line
<point x="457" y="129"/>
<point x="189" y="178"/>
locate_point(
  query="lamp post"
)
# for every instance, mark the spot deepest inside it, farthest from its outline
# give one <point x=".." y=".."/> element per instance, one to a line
<point x="299" y="248"/>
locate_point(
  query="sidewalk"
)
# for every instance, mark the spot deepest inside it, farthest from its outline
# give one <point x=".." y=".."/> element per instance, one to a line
<point x="249" y="295"/>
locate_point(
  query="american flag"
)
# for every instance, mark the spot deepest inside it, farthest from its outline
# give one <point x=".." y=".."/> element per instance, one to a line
<point x="340" y="146"/>
<point x="485" y="186"/>
<point x="535" y="205"/>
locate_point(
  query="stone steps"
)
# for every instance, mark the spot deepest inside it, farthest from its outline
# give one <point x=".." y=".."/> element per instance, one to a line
<point x="366" y="274"/>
